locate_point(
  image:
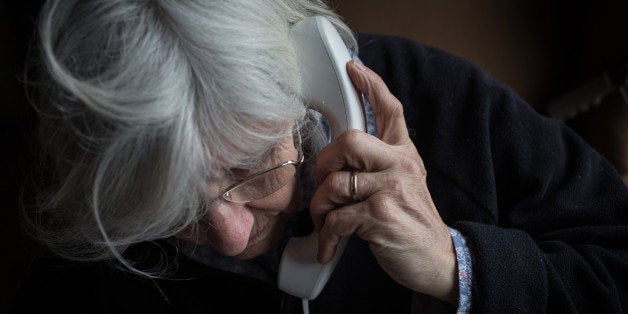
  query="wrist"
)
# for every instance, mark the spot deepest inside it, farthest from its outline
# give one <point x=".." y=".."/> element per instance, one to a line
<point x="447" y="276"/>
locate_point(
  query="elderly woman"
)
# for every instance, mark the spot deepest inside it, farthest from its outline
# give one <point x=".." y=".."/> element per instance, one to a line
<point x="161" y="119"/>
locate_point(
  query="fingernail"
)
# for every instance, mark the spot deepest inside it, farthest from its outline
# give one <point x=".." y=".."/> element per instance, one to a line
<point x="359" y="64"/>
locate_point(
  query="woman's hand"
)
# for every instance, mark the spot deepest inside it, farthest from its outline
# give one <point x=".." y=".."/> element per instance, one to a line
<point x="395" y="212"/>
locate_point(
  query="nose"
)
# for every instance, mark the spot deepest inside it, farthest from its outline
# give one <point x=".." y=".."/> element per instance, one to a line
<point x="230" y="226"/>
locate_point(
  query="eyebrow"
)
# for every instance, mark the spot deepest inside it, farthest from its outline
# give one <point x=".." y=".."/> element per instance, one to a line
<point x="255" y="161"/>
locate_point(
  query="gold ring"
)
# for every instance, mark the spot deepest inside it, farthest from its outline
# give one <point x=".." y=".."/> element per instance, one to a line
<point x="353" y="186"/>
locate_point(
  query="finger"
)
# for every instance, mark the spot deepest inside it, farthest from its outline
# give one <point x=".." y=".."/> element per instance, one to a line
<point x="340" y="223"/>
<point x="356" y="150"/>
<point x="336" y="191"/>
<point x="389" y="118"/>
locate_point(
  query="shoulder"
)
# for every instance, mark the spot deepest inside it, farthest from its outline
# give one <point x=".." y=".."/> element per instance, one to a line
<point x="421" y="75"/>
<point x="395" y="57"/>
<point x="435" y="86"/>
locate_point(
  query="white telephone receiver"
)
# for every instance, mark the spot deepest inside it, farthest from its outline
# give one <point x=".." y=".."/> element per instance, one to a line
<point x="322" y="56"/>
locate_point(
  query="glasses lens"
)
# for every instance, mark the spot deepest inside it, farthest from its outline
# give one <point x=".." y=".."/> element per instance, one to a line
<point x="261" y="186"/>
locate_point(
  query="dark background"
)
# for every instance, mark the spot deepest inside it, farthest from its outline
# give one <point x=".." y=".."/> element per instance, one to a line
<point x="540" y="48"/>
<point x="16" y="129"/>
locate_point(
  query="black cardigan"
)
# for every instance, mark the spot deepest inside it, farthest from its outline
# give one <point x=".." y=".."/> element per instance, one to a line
<point x="546" y="217"/>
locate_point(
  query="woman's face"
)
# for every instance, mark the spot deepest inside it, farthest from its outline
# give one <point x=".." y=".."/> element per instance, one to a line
<point x="246" y="230"/>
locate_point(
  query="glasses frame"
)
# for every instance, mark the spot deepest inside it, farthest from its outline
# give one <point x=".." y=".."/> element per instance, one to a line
<point x="298" y="144"/>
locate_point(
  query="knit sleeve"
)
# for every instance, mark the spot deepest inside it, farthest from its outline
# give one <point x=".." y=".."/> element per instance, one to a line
<point x="544" y="215"/>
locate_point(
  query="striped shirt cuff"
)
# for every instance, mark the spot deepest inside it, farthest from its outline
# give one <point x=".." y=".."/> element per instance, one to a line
<point x="465" y="273"/>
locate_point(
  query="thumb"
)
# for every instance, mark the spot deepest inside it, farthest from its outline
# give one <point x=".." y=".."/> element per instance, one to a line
<point x="389" y="118"/>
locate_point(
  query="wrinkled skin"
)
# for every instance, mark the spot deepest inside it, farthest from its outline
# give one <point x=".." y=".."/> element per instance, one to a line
<point x="245" y="231"/>
<point x="395" y="214"/>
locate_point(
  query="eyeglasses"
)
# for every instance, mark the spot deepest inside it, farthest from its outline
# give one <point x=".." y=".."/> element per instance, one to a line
<point x="266" y="182"/>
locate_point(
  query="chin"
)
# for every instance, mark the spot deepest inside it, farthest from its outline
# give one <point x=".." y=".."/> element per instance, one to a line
<point x="253" y="251"/>
<point x="249" y="254"/>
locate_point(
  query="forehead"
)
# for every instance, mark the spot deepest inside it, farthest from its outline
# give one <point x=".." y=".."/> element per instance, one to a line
<point x="282" y="150"/>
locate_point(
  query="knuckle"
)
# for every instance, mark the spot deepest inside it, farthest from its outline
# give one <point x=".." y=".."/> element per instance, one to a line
<point x="395" y="107"/>
<point x="411" y="166"/>
<point x="392" y="183"/>
<point x="333" y="221"/>
<point x="317" y="206"/>
<point x="383" y="208"/>
<point x="351" y="139"/>
<point x="391" y="106"/>
<point x="336" y="182"/>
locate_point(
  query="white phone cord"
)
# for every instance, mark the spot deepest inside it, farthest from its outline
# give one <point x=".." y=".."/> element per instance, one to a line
<point x="306" y="306"/>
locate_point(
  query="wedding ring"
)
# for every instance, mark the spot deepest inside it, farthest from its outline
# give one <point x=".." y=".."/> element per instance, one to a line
<point x="353" y="186"/>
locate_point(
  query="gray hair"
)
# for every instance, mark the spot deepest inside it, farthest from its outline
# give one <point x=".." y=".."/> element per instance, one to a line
<point x="145" y="103"/>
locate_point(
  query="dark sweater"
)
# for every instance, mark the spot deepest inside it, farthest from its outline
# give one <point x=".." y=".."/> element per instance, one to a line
<point x="546" y="217"/>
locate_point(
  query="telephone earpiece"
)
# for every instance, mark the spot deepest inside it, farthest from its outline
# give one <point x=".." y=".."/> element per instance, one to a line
<point x="325" y="83"/>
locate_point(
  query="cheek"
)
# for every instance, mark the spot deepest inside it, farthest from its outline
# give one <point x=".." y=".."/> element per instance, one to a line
<point x="286" y="200"/>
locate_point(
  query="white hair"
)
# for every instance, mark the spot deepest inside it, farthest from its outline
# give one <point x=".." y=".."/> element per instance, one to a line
<point x="145" y="103"/>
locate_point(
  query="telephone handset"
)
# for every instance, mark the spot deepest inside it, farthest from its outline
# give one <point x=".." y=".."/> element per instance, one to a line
<point x="325" y="84"/>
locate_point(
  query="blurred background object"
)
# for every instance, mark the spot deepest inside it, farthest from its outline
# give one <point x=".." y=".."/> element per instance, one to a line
<point x="542" y="49"/>
<point x="567" y="59"/>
